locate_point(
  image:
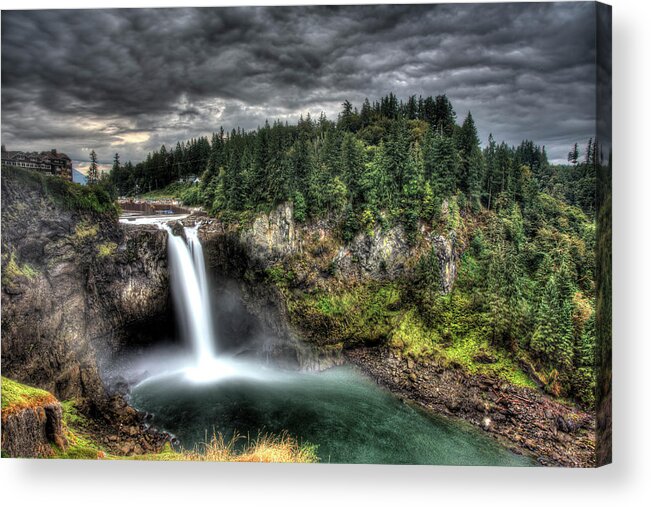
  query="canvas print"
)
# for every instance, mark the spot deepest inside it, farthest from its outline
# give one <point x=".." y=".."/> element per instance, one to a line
<point x="308" y="234"/>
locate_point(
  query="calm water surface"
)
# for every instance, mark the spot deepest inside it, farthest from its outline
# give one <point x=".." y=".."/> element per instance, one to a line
<point x="347" y="416"/>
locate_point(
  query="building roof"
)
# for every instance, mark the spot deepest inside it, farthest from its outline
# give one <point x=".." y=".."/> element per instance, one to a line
<point x="44" y="156"/>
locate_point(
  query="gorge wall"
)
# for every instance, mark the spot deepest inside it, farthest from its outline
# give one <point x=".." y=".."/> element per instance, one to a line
<point x="278" y="261"/>
<point x="70" y="278"/>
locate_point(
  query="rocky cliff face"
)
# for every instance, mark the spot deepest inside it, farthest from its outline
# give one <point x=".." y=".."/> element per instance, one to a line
<point x="272" y="237"/>
<point x="382" y="254"/>
<point x="69" y="280"/>
<point x="274" y="248"/>
<point x="387" y="255"/>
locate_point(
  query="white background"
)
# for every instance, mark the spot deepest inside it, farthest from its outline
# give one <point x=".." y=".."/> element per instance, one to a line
<point x="627" y="482"/>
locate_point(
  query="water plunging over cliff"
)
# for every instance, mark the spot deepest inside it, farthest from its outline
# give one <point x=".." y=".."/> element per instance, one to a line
<point x="189" y="285"/>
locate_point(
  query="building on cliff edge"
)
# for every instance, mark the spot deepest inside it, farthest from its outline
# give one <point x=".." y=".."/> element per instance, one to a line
<point x="47" y="162"/>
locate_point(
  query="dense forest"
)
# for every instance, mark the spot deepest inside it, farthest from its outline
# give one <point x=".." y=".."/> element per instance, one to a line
<point x="526" y="280"/>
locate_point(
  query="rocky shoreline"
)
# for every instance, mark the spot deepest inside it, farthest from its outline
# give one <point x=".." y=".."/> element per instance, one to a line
<point x="524" y="420"/>
<point x="124" y="431"/>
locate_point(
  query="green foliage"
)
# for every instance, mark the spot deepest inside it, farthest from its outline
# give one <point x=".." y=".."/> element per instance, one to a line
<point x="362" y="314"/>
<point x="279" y="275"/>
<point x="84" y="230"/>
<point x="171" y="191"/>
<point x="300" y="207"/>
<point x="106" y="249"/>
<point x="191" y="196"/>
<point x="14" y="270"/>
<point x="425" y="284"/>
<point x="477" y="356"/>
<point x="16" y="396"/>
<point x="412" y="336"/>
<point x="71" y="196"/>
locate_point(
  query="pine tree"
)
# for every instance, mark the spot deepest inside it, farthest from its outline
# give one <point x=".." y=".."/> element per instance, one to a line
<point x="491" y="173"/>
<point x="300" y="207"/>
<point x="93" y="171"/>
<point x="352" y="166"/>
<point x="573" y="155"/>
<point x="472" y="162"/>
<point x="441" y="164"/>
<point x="444" y="120"/>
<point x="412" y="194"/>
<point x="429" y="202"/>
<point x="346" y="117"/>
<point x="396" y="159"/>
<point x="365" y="115"/>
<point x="336" y="196"/>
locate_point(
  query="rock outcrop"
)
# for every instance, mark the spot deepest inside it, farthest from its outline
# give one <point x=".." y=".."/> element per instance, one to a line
<point x="274" y="252"/>
<point x="70" y="278"/>
<point x="273" y="236"/>
<point x="30" y="432"/>
<point x="380" y="254"/>
<point x="448" y="256"/>
<point x="377" y="255"/>
<point x="32" y="422"/>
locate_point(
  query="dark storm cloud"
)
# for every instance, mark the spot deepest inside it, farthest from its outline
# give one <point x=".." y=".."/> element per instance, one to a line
<point x="130" y="80"/>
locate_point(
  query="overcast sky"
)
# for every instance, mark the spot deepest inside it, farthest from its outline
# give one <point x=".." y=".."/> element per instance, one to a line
<point x="131" y="80"/>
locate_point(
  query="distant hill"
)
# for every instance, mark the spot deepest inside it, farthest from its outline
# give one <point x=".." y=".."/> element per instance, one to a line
<point x="78" y="177"/>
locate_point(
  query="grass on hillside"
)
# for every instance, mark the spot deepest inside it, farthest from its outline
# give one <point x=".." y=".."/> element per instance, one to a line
<point x="376" y="313"/>
<point x="17" y="396"/>
<point x="171" y="191"/>
<point x="364" y="314"/>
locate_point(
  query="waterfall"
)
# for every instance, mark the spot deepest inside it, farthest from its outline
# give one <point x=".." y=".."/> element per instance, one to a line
<point x="189" y="286"/>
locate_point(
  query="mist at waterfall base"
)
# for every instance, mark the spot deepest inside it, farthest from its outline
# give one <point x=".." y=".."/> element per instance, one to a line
<point x="204" y="389"/>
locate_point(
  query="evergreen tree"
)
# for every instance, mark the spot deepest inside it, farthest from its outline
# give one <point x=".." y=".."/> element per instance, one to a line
<point x="441" y="164"/>
<point x="116" y="162"/>
<point x="472" y="163"/>
<point x="412" y="194"/>
<point x="93" y="171"/>
<point x="352" y="166"/>
<point x="573" y="155"/>
<point x="444" y="120"/>
<point x="300" y="207"/>
<point x="396" y="159"/>
<point x="347" y="118"/>
<point x="365" y="117"/>
<point x="492" y="173"/>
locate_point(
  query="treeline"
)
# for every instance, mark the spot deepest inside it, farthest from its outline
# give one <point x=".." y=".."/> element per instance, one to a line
<point x="387" y="159"/>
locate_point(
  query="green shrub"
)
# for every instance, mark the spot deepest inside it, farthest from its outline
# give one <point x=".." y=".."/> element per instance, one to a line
<point x="192" y="196"/>
<point x="106" y="249"/>
<point x="13" y="270"/>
